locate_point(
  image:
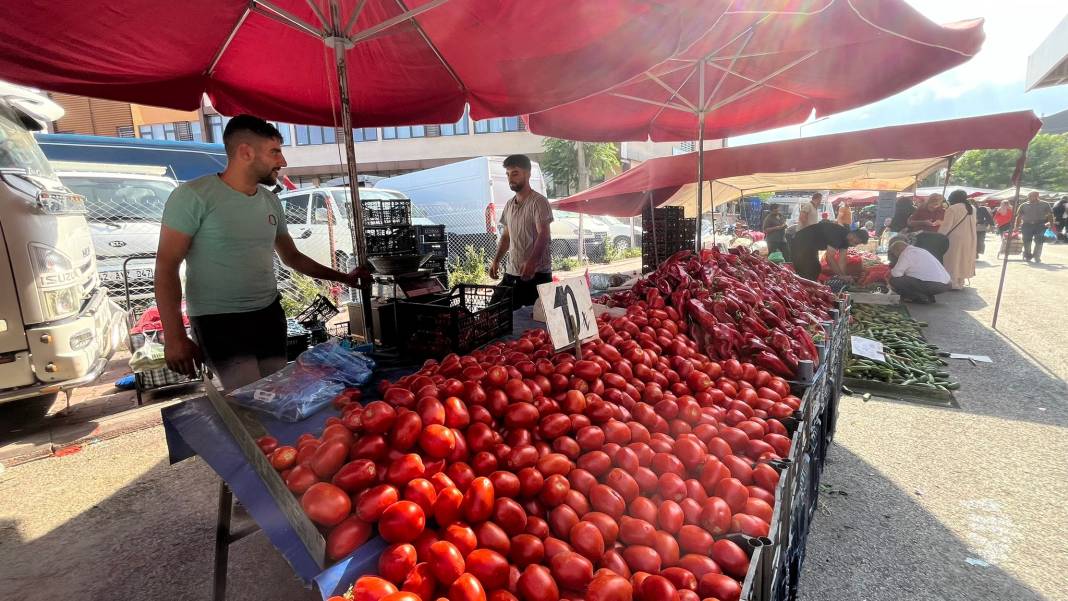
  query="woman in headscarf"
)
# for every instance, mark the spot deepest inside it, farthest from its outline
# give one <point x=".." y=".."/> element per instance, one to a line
<point x="959" y="225"/>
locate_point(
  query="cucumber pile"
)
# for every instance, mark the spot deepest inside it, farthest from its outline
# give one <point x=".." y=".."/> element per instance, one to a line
<point x="910" y="359"/>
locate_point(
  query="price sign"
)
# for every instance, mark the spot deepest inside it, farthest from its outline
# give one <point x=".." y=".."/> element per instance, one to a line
<point x="866" y="347"/>
<point x="568" y="311"/>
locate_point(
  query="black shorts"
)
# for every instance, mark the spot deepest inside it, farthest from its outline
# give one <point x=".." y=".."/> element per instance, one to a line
<point x="242" y="347"/>
<point x="525" y="293"/>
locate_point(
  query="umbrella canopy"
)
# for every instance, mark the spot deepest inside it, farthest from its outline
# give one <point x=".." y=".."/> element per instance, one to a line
<point x="854" y="198"/>
<point x="889" y="158"/>
<point x="407" y="61"/>
<point x="762" y="67"/>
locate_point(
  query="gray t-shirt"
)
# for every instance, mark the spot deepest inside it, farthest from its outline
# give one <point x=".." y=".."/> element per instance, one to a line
<point x="522" y="220"/>
<point x="1038" y="212"/>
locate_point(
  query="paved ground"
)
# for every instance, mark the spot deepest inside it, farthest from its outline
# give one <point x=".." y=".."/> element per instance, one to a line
<point x="946" y="504"/>
<point x="928" y="490"/>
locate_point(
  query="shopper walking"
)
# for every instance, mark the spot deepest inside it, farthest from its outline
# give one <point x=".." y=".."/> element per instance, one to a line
<point x="775" y="231"/>
<point x="1035" y="216"/>
<point x="984" y="221"/>
<point x="1003" y="217"/>
<point x="960" y="227"/>
<point x="1060" y="219"/>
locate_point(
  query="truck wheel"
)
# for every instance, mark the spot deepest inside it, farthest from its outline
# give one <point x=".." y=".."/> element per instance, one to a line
<point x="621" y="243"/>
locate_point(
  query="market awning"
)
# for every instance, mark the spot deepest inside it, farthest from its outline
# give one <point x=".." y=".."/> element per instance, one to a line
<point x="1048" y="65"/>
<point x="407" y="61"/>
<point x="889" y="158"/>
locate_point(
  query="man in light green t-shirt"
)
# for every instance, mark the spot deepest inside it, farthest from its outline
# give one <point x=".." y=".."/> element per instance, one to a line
<point x="227" y="228"/>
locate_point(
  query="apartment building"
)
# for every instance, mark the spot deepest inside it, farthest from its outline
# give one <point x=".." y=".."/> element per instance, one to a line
<point x="96" y="117"/>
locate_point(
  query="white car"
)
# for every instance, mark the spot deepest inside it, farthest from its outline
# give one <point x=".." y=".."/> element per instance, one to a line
<point x="124" y="206"/>
<point x="565" y="234"/>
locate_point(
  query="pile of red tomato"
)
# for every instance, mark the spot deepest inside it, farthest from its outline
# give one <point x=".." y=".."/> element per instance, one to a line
<point x="519" y="473"/>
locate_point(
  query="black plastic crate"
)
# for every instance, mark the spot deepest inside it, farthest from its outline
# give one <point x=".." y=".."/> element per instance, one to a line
<point x="386" y="212"/>
<point x="295" y="345"/>
<point x="435" y="264"/>
<point x="430" y="233"/>
<point x="459" y="321"/>
<point x="320" y="311"/>
<point x="440" y="249"/>
<point x="390" y="241"/>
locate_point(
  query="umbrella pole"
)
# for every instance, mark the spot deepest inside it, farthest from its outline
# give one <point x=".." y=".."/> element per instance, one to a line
<point x="652" y="226"/>
<point x="359" y="241"/>
<point x="701" y="155"/>
<point x="1005" y="258"/>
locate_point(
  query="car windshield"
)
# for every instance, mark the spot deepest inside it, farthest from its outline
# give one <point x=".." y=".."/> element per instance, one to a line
<point x="118" y="199"/>
<point x="18" y="148"/>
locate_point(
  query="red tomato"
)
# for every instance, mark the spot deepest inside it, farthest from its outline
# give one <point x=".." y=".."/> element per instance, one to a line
<point x="462" y="536"/>
<point x="438" y="441"/>
<point x="490" y="567"/>
<point x="588" y="540"/>
<point x="267" y="444"/>
<point x="346" y="537"/>
<point x="682" y="578"/>
<point x="766" y="477"/>
<point x="405" y="430"/>
<point x="402" y="522"/>
<point x="641" y="558"/>
<point x="446" y="562"/>
<point x="370" y="504"/>
<point x="300" y="479"/>
<point x="571" y="570"/>
<point x="655" y="588"/>
<point x="730" y="557"/>
<point x="283" y="458"/>
<point x="372" y="588"/>
<point x="378" y="417"/>
<point x="536" y="584"/>
<point x="526" y="549"/>
<point x="405" y="469"/>
<point x="749" y="525"/>
<point x="420" y="581"/>
<point x="607" y="586"/>
<point x="694" y="539"/>
<point x="490" y="536"/>
<point x="396" y="561"/>
<point x="326" y="504"/>
<point x="467" y="588"/>
<point x="355" y="475"/>
<point x="509" y="515"/>
<point x="733" y="492"/>
<point x="478" y="501"/>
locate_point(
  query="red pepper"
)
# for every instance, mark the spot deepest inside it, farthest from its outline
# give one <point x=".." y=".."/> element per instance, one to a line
<point x="754" y="326"/>
<point x="772" y="363"/>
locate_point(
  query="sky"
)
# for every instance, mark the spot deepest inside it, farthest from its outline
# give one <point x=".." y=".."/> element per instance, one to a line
<point x="991" y="82"/>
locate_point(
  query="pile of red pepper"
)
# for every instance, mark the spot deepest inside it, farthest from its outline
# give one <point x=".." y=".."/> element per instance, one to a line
<point x="739" y="306"/>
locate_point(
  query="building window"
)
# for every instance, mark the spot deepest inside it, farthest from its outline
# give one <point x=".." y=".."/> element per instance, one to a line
<point x="403" y="132"/>
<point x="195" y="131"/>
<point x="216" y="126"/>
<point x="124" y="131"/>
<point x="286" y="131"/>
<point x="364" y="134"/>
<point x="314" y="135"/>
<point x="329" y="135"/>
<point x="460" y="128"/>
<point x="499" y="125"/>
<point x="145" y="132"/>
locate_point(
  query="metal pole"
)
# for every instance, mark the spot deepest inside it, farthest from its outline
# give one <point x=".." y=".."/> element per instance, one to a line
<point x="652" y="226"/>
<point x="359" y="242"/>
<point x="949" y="170"/>
<point x="583" y="183"/>
<point x="701" y="154"/>
<point x="1005" y="257"/>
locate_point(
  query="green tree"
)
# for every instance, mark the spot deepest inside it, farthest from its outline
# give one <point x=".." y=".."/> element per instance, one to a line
<point x="1046" y="168"/>
<point x="560" y="162"/>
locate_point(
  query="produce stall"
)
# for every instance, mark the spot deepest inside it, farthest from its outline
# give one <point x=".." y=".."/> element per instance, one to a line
<point x="518" y="470"/>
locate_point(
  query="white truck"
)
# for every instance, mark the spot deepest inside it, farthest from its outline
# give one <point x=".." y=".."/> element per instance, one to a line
<point x="57" y="326"/>
<point x="456" y="195"/>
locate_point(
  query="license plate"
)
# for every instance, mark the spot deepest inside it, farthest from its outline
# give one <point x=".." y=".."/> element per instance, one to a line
<point x="133" y="275"/>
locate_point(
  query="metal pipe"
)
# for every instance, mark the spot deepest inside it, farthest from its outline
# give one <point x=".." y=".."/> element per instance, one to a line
<point x="701" y="153"/>
<point x="1005" y="257"/>
<point x="949" y="171"/>
<point x="359" y="241"/>
<point x="583" y="183"/>
<point x="652" y="226"/>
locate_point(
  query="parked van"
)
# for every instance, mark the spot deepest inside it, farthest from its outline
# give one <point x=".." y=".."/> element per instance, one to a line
<point x="124" y="207"/>
<point x="57" y="326"/>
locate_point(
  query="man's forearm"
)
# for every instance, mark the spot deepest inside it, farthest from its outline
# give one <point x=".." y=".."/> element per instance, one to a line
<point x="540" y="244"/>
<point x="502" y="247"/>
<point x="313" y="269"/>
<point x="169" y="301"/>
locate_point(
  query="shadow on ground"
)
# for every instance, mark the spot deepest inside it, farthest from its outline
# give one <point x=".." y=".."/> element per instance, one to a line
<point x="878" y="543"/>
<point x="153" y="539"/>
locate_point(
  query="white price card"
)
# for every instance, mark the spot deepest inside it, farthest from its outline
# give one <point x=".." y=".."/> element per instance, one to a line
<point x="866" y="347"/>
<point x="979" y="358"/>
<point x="568" y="311"/>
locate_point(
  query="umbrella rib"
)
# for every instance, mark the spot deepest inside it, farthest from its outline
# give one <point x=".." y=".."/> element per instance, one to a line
<point x="371" y="32"/>
<point x="701" y="65"/>
<point x="674" y="93"/>
<point x="434" y="48"/>
<point x="352" y="18"/>
<point x="751" y="80"/>
<point x="762" y="82"/>
<point x="668" y="105"/>
<point x="285" y="17"/>
<point x="902" y="36"/>
<point x="226" y="44"/>
<point x="318" y="14"/>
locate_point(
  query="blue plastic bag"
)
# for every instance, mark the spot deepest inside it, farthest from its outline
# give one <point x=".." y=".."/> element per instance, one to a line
<point x="1050" y="234"/>
<point x="308" y="384"/>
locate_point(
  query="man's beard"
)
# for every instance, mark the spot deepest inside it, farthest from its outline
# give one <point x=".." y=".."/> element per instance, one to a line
<point x="516" y="187"/>
<point x="270" y="179"/>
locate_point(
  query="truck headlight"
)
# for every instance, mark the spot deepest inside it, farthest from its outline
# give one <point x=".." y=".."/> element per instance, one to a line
<point x="60" y="302"/>
<point x="53" y="268"/>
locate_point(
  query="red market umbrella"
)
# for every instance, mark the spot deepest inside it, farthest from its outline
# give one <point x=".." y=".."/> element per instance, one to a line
<point x="765" y="67"/>
<point x="351" y="63"/>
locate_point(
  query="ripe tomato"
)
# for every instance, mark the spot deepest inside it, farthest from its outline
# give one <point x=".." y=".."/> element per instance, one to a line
<point x="730" y="557"/>
<point x="571" y="570"/>
<point x="355" y="475"/>
<point x="719" y="586"/>
<point x="537" y="584"/>
<point x="526" y="549"/>
<point x="467" y="588"/>
<point x="405" y="430"/>
<point x="346" y="537"/>
<point x="462" y="536"/>
<point x="372" y="588"/>
<point x="396" y="562"/>
<point x="478" y="501"/>
<point x="420" y="581"/>
<point x="438" y="441"/>
<point x="490" y="567"/>
<point x="283" y="458"/>
<point x="267" y="444"/>
<point x="446" y="562"/>
<point x="378" y="417"/>
<point x="372" y="502"/>
<point x="641" y="558"/>
<point x="326" y="504"/>
<point x="607" y="586"/>
<point x="587" y="540"/>
<point x="657" y="587"/>
<point x="402" y="522"/>
<point x="733" y="492"/>
<point x="490" y="536"/>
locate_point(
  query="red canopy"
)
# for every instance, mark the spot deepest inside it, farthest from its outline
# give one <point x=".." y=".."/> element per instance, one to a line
<point x="760" y="68"/>
<point x="792" y="161"/>
<point x="411" y="61"/>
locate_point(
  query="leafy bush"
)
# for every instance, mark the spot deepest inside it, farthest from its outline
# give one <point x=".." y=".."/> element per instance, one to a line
<point x="469" y="268"/>
<point x="565" y="264"/>
<point x="632" y="253"/>
<point x="299" y="291"/>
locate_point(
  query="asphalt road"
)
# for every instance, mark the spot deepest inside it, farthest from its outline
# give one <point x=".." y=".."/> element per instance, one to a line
<point x="939" y="504"/>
